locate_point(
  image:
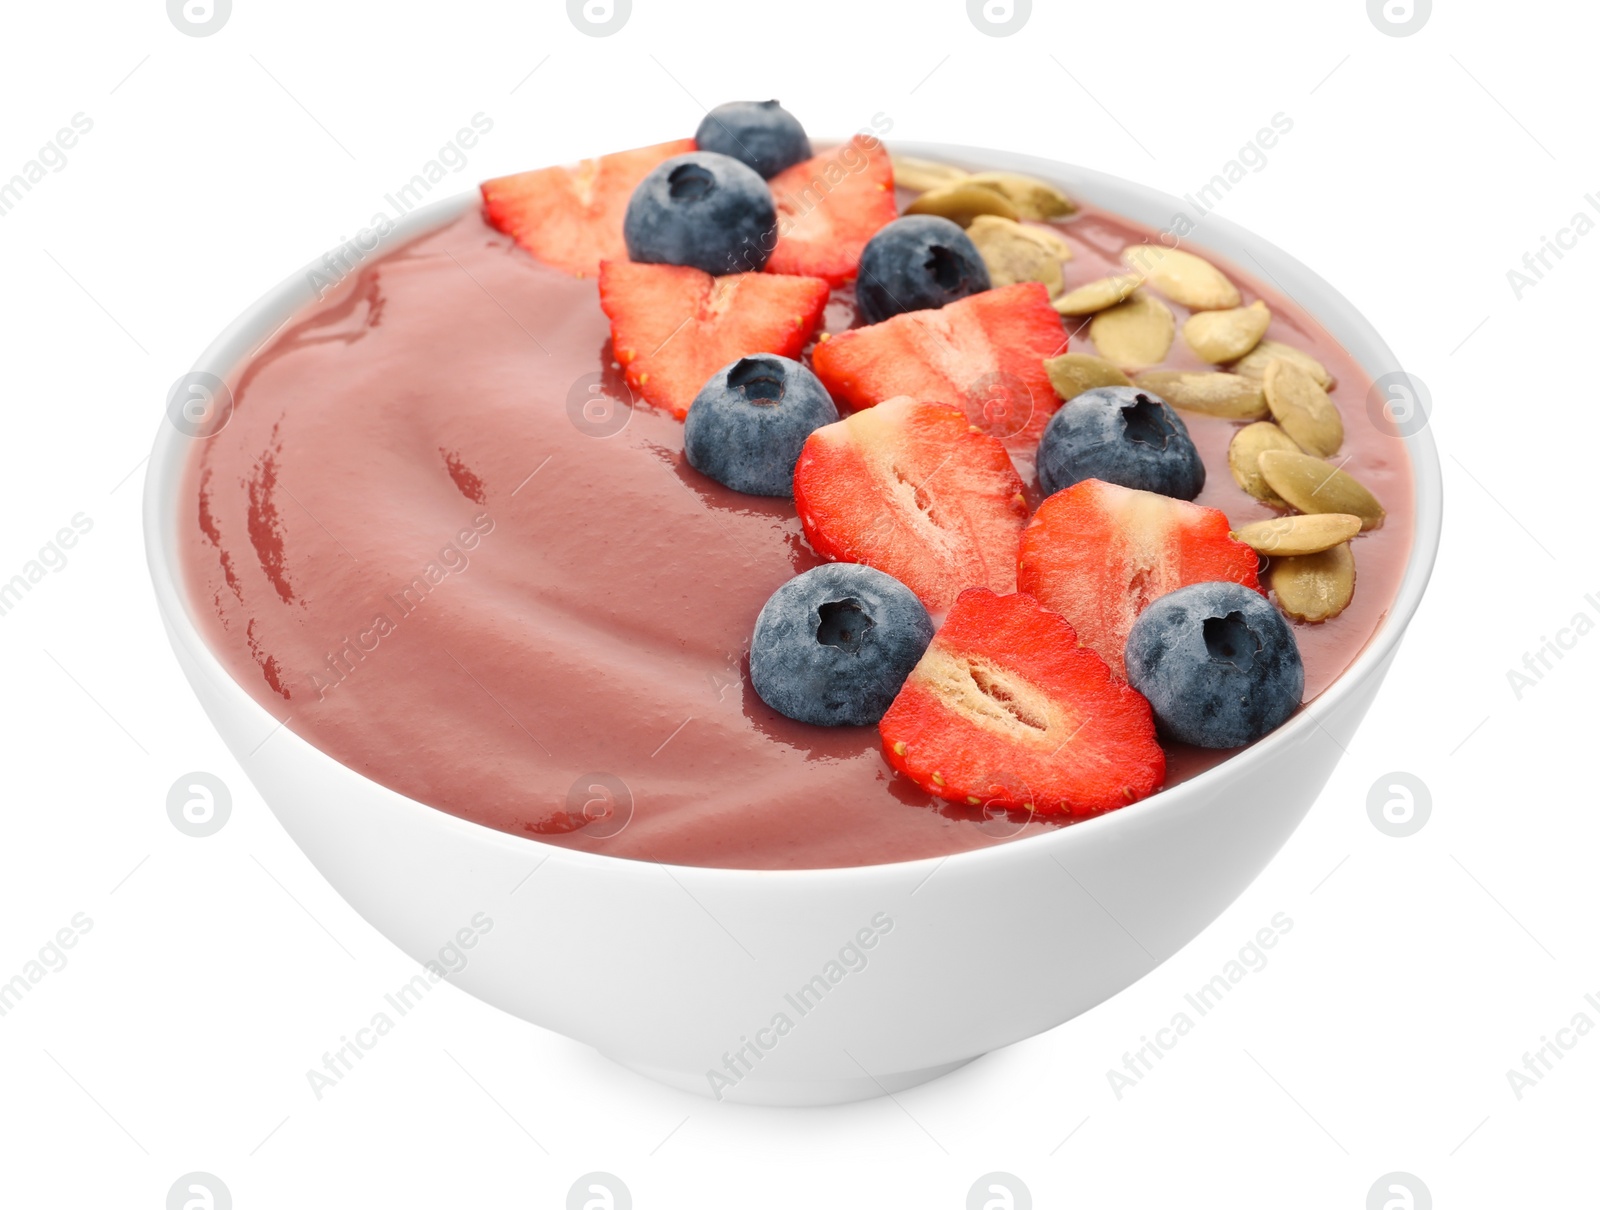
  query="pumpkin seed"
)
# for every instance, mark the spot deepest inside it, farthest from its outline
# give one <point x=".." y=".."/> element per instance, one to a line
<point x="1302" y="408"/>
<point x="1182" y="276"/>
<point x="1314" y="486"/>
<point x="1032" y="197"/>
<point x="1222" y="336"/>
<point x="1244" y="458"/>
<point x="1074" y="373"/>
<point x="1012" y="256"/>
<point x="1299" y="535"/>
<point x="1314" y="588"/>
<point x="961" y="202"/>
<point x="1137" y="332"/>
<point x="923" y="175"/>
<point x="1211" y="393"/>
<point x="1048" y="238"/>
<point x="1097" y="295"/>
<point x="1254" y="363"/>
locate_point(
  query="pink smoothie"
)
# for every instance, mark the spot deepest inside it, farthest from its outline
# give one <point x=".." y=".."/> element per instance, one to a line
<point x="436" y="541"/>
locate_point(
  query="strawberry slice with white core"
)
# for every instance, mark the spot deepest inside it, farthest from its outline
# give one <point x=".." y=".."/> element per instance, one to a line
<point x="1097" y="554"/>
<point x="1007" y="710"/>
<point x="570" y="216"/>
<point x="829" y="207"/>
<point x="916" y="491"/>
<point x="673" y="327"/>
<point x="984" y="354"/>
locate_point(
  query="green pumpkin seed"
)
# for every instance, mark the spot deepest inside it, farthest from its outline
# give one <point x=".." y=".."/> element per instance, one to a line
<point x="1032" y="197"/>
<point x="1074" y="373"/>
<point x="961" y="202"/>
<point x="1314" y="486"/>
<point x="1244" y="458"/>
<point x="1299" y="535"/>
<point x="1302" y="408"/>
<point x="1097" y="295"/>
<point x="1314" y="588"/>
<point x="1134" y="333"/>
<point x="1011" y="256"/>
<point x="1211" y="393"/>
<point x="1182" y="276"/>
<point x="923" y="175"/>
<point x="1224" y="336"/>
<point x="1254" y="363"/>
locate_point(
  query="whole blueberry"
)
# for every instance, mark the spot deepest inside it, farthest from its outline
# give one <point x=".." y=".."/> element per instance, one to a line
<point x="760" y="134"/>
<point x="704" y="210"/>
<point x="1122" y="435"/>
<point x="1217" y="662"/>
<point x="917" y="263"/>
<point x="834" y="645"/>
<point x="746" y="426"/>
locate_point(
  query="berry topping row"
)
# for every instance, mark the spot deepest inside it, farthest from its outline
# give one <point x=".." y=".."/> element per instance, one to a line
<point x="1013" y="656"/>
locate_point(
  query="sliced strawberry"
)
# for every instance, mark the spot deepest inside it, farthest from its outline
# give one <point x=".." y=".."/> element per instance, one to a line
<point x="673" y="327"/>
<point x="1097" y="554"/>
<point x="1005" y="709"/>
<point x="985" y="354"/>
<point x="829" y="207"/>
<point x="571" y="216"/>
<point x="914" y="490"/>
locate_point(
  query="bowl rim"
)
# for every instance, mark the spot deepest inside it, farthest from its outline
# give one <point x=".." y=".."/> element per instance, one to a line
<point x="260" y="323"/>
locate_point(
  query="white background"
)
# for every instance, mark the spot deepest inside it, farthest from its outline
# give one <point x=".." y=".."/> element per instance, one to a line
<point x="1419" y="170"/>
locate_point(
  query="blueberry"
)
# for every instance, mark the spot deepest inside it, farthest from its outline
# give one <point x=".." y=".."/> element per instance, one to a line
<point x="834" y="645"/>
<point x="1122" y="435"/>
<point x="917" y="263"/>
<point x="747" y="424"/>
<point x="704" y="210"/>
<point x="762" y="135"/>
<point x="1217" y="662"/>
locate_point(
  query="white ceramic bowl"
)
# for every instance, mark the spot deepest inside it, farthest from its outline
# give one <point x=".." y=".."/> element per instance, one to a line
<point x="671" y="970"/>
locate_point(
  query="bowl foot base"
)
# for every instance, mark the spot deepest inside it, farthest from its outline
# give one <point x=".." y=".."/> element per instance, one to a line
<point x="753" y="1090"/>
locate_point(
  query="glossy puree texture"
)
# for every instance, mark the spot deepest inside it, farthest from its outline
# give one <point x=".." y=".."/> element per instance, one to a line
<point x="436" y="541"/>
